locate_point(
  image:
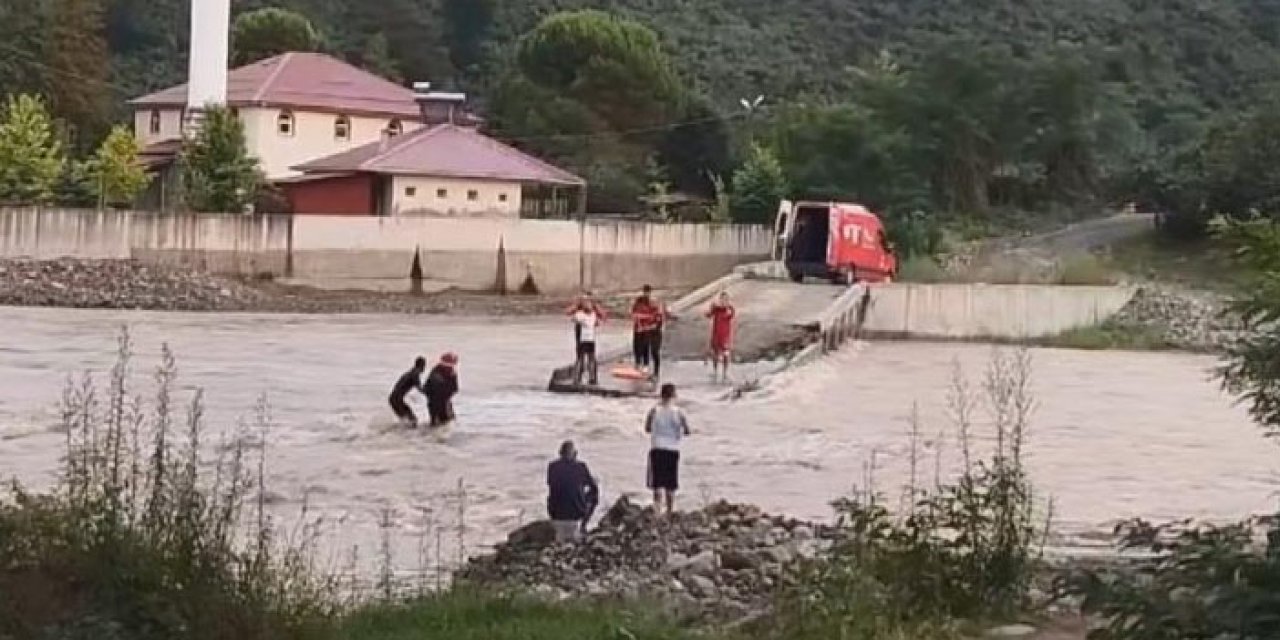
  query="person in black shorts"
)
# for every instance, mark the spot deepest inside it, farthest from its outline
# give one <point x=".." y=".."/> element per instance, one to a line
<point x="410" y="381"/>
<point x="667" y="426"/>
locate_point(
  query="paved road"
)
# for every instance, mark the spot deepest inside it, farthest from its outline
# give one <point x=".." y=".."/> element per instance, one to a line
<point x="1078" y="238"/>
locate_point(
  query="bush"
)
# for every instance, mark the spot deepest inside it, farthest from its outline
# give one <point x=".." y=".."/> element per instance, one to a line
<point x="137" y="542"/>
<point x="1204" y="582"/>
<point x="955" y="552"/>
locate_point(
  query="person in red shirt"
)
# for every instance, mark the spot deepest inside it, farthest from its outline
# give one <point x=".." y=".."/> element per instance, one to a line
<point x="722" y="316"/>
<point x="647" y="317"/>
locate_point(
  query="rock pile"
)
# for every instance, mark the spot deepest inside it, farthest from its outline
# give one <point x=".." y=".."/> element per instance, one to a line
<point x="117" y="284"/>
<point x="126" y="284"/>
<point x="722" y="563"/>
<point x="1196" y="321"/>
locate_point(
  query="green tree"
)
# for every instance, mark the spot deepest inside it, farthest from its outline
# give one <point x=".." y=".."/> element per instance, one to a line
<point x="218" y="173"/>
<point x="847" y="152"/>
<point x="31" y="156"/>
<point x="758" y="186"/>
<point x="613" y="66"/>
<point x="78" y="68"/>
<point x="467" y="27"/>
<point x="268" y="32"/>
<point x="1252" y="366"/>
<point x="23" y="30"/>
<point x="376" y="58"/>
<point x="118" y="176"/>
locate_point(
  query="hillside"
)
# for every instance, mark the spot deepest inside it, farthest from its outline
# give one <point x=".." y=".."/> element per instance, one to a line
<point x="1210" y="51"/>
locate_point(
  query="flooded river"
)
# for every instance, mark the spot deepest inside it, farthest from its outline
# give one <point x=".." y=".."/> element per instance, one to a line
<point x="1115" y="435"/>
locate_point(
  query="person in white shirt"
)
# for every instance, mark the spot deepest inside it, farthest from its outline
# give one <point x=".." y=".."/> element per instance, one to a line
<point x="667" y="425"/>
<point x="585" y="320"/>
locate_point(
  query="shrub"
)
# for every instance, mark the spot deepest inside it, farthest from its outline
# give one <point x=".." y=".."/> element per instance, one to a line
<point x="138" y="541"/>
<point x="960" y="551"/>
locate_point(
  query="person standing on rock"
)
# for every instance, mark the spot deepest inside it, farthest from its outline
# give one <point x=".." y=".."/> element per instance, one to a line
<point x="411" y="380"/>
<point x="572" y="494"/>
<point x="440" y="387"/>
<point x="667" y="425"/>
<point x="586" y="318"/>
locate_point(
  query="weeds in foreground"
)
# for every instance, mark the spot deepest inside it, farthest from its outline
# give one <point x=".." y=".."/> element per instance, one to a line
<point x="960" y="551"/>
<point x="1198" y="582"/>
<point x="461" y="614"/>
<point x="143" y="538"/>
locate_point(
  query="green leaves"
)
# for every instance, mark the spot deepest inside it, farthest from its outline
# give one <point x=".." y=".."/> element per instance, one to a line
<point x="118" y="176"/>
<point x="758" y="187"/>
<point x="267" y="32"/>
<point x="218" y="173"/>
<point x="31" y="157"/>
<point x="613" y="66"/>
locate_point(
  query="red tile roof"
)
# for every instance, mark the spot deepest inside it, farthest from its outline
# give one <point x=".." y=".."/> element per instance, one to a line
<point x="448" y="151"/>
<point x="304" y="81"/>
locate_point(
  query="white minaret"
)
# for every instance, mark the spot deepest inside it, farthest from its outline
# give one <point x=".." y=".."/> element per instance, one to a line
<point x="207" y="70"/>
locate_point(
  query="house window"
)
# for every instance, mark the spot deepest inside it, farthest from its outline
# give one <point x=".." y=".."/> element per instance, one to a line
<point x="473" y="195"/>
<point x="442" y="193"/>
<point x="395" y="128"/>
<point x="502" y="197"/>
<point x="342" y="128"/>
<point x="285" y="123"/>
<point x="410" y="192"/>
<point x="155" y="122"/>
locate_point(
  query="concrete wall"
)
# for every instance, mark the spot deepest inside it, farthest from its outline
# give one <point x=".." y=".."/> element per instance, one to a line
<point x="336" y="250"/>
<point x="960" y="311"/>
<point x="452" y="197"/>
<point x="557" y="253"/>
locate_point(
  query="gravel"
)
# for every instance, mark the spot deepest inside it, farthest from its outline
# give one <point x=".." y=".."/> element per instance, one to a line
<point x="126" y="284"/>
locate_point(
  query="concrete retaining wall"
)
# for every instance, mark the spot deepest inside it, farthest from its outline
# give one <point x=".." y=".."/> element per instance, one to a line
<point x="471" y="253"/>
<point x="967" y="311"/>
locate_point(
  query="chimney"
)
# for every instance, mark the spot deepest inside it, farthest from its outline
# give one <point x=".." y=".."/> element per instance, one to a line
<point x="439" y="107"/>
<point x="207" y="61"/>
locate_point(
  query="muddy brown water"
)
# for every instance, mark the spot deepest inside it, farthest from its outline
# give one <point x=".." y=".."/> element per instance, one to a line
<point x="1115" y="434"/>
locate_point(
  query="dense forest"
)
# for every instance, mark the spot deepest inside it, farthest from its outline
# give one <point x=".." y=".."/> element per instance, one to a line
<point x="935" y="106"/>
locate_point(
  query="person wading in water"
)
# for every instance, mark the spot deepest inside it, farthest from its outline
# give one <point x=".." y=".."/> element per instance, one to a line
<point x="410" y="381"/>
<point x="440" y="387"/>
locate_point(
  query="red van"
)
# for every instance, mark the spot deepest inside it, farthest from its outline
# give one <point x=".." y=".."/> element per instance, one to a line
<point x="839" y="241"/>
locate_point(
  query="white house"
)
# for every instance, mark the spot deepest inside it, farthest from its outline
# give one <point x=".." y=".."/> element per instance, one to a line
<point x="296" y="107"/>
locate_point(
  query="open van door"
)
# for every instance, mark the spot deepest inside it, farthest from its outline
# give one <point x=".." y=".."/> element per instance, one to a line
<point x="782" y="230"/>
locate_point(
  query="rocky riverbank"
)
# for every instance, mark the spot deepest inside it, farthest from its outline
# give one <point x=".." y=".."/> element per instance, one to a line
<point x="1180" y="318"/>
<point x="124" y="284"/>
<point x="722" y="563"/>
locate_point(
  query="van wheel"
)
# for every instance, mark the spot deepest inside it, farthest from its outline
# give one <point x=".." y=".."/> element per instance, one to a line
<point x="796" y="276"/>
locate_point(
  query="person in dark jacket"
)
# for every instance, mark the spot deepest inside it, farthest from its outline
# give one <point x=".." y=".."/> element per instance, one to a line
<point x="440" y="387"/>
<point x="572" y="494"/>
<point x="410" y="381"/>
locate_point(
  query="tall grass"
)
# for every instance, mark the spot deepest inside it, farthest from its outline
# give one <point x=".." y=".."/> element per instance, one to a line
<point x="959" y="551"/>
<point x="144" y="538"/>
